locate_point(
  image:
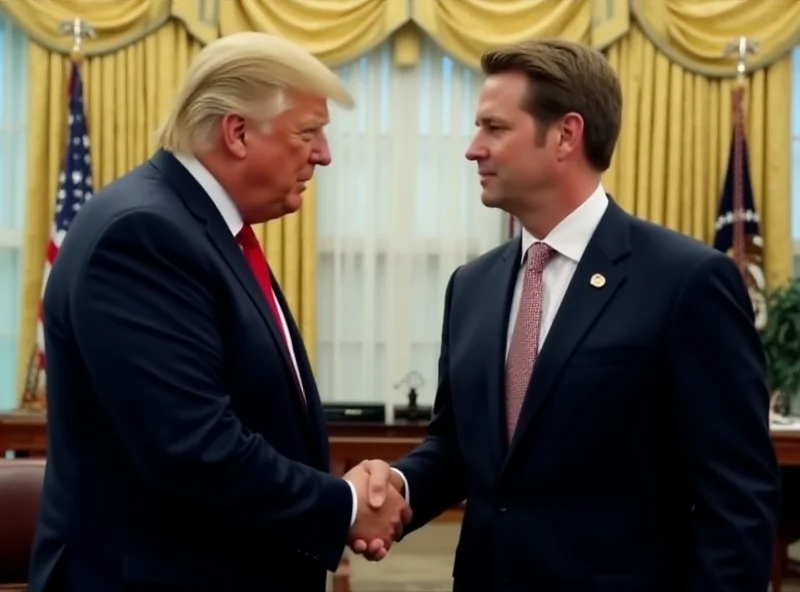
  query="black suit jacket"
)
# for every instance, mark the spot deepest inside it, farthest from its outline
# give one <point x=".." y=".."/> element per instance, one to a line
<point x="180" y="456"/>
<point x="642" y="461"/>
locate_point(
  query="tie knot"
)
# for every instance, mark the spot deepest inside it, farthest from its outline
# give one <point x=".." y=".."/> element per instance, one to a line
<point x="247" y="238"/>
<point x="538" y="256"/>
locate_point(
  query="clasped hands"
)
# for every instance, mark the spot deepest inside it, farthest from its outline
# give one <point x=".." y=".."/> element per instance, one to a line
<point x="382" y="509"/>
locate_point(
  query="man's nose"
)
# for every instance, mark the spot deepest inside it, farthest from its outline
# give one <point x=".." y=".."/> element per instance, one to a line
<point x="476" y="152"/>
<point x="321" y="154"/>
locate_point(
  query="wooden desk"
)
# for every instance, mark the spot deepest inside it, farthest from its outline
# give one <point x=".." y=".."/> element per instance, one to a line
<point x="26" y="433"/>
<point x="23" y="432"/>
<point x="350" y="443"/>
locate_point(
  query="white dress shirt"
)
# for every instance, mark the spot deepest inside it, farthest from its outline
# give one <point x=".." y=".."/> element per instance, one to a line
<point x="233" y="219"/>
<point x="569" y="240"/>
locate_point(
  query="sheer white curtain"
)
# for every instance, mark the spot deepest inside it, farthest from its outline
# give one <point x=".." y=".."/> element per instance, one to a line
<point x="13" y="169"/>
<point x="398" y="211"/>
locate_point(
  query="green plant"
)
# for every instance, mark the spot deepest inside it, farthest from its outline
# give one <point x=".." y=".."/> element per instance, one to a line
<point x="782" y="340"/>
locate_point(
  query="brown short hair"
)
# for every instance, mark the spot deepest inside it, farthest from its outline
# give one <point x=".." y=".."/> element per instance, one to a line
<point x="565" y="77"/>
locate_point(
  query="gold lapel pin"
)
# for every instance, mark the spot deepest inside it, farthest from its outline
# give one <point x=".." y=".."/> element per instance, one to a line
<point x="598" y="280"/>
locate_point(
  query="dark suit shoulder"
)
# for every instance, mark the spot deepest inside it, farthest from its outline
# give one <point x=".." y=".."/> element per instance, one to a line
<point x="138" y="206"/>
<point x="479" y="265"/>
<point x="668" y="250"/>
<point x="143" y="189"/>
<point x="646" y="234"/>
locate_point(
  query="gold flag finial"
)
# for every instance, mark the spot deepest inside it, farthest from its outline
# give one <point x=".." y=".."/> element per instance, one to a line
<point x="741" y="47"/>
<point x="79" y="30"/>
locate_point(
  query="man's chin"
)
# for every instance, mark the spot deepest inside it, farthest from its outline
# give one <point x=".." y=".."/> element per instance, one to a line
<point x="491" y="200"/>
<point x="293" y="202"/>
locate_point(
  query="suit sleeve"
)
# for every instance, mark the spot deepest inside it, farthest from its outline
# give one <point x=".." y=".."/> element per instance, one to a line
<point x="148" y="329"/>
<point x="434" y="471"/>
<point x="718" y="367"/>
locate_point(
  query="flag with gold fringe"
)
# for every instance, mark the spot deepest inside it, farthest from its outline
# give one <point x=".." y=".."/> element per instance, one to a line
<point x="737" y="230"/>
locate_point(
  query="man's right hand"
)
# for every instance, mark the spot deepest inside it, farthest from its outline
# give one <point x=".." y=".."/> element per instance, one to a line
<point x="381" y="514"/>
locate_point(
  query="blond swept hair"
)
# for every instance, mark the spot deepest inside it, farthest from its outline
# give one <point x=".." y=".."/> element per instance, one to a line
<point x="246" y="73"/>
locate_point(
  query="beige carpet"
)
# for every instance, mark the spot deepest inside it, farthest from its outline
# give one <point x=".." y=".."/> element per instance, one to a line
<point x="423" y="563"/>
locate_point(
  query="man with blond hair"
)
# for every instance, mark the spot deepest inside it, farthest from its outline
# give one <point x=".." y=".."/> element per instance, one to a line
<point x="187" y="444"/>
<point x="602" y="401"/>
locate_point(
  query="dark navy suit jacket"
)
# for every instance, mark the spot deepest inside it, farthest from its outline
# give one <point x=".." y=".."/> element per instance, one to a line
<point x="642" y="460"/>
<point x="180" y="456"/>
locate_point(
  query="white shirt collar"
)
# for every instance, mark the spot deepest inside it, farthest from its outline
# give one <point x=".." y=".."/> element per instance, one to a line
<point x="571" y="236"/>
<point x="227" y="209"/>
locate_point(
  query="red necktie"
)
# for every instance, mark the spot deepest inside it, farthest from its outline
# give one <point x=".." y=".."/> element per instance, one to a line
<point x="258" y="263"/>
<point x="251" y="249"/>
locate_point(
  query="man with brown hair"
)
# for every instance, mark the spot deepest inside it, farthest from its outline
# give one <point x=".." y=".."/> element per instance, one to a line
<point x="602" y="404"/>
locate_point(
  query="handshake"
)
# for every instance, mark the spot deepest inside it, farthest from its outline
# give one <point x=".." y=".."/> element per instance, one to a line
<point x="382" y="509"/>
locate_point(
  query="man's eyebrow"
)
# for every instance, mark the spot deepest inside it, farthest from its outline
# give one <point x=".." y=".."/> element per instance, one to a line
<point x="489" y="120"/>
<point x="314" y="124"/>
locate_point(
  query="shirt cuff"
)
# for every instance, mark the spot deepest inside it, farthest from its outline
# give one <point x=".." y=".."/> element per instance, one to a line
<point x="354" y="511"/>
<point x="406" y="492"/>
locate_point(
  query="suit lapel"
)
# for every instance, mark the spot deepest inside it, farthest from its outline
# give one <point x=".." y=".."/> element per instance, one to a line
<point x="230" y="251"/>
<point x="501" y="281"/>
<point x="581" y="306"/>
<point x="200" y="205"/>
<point x="316" y="415"/>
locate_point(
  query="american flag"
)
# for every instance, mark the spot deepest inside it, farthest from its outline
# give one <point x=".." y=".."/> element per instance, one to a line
<point x="737" y="228"/>
<point x="74" y="188"/>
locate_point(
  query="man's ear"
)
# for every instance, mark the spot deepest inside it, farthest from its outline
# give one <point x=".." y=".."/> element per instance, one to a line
<point x="570" y="134"/>
<point x="233" y="131"/>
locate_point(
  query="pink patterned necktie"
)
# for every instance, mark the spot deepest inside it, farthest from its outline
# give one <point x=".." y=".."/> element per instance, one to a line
<point x="524" y="346"/>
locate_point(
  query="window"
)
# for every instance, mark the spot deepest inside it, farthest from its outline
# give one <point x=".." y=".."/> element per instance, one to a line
<point x="398" y="211"/>
<point x="796" y="158"/>
<point x="13" y="171"/>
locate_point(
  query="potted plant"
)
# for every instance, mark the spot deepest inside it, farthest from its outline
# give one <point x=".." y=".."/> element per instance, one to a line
<point x="781" y="339"/>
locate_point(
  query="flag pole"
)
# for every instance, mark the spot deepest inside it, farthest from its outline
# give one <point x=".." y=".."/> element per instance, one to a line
<point x="741" y="47"/>
<point x="737" y="227"/>
<point x="34" y="395"/>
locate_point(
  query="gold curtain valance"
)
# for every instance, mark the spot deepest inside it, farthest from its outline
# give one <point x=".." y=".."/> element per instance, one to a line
<point x="691" y="33"/>
<point x="117" y="23"/>
<point x="694" y="33"/>
<point x="467" y="28"/>
<point x="336" y="32"/>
